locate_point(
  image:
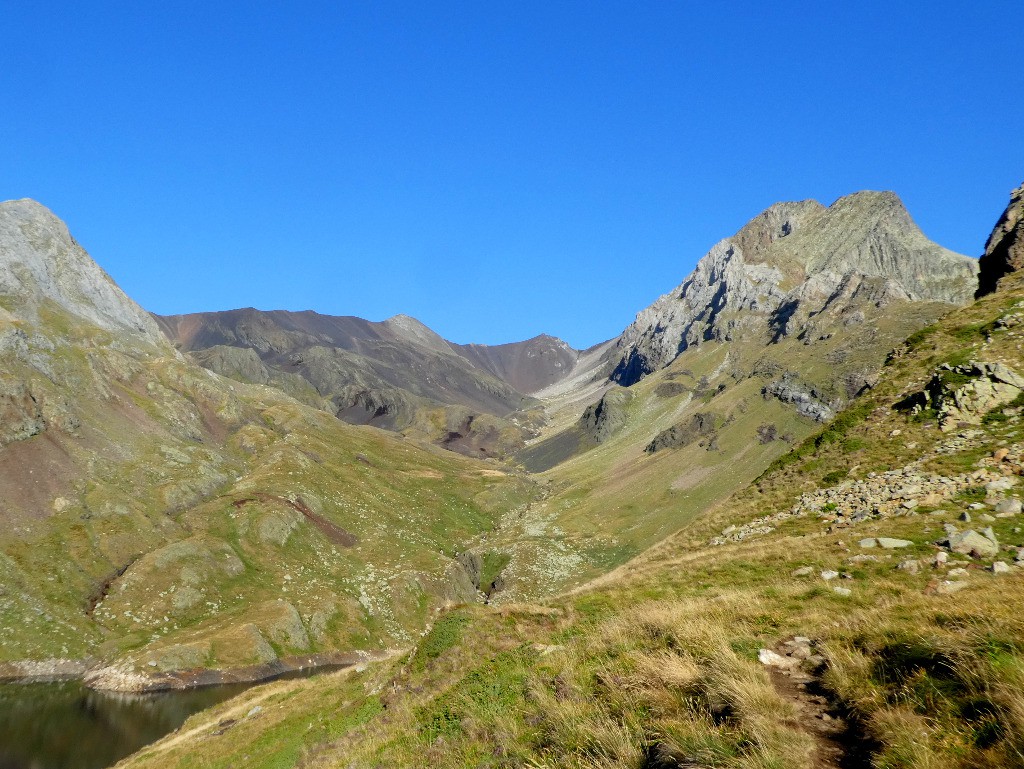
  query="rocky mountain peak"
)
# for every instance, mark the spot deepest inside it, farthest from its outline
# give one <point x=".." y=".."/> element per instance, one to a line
<point x="792" y="262"/>
<point x="1004" y="250"/>
<point x="407" y="327"/>
<point x="39" y="260"/>
<point x="774" y="223"/>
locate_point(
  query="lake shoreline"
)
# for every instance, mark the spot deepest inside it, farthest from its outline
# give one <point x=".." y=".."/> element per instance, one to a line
<point x="127" y="679"/>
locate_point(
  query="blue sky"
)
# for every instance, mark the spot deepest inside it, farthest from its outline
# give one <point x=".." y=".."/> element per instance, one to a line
<point x="497" y="170"/>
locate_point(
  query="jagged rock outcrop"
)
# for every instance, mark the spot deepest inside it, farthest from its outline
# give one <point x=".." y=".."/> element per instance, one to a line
<point x="39" y="261"/>
<point x="700" y="427"/>
<point x="20" y="415"/>
<point x="797" y="269"/>
<point x="808" y="401"/>
<point x="603" y="419"/>
<point x="1004" y="251"/>
<point x="964" y="394"/>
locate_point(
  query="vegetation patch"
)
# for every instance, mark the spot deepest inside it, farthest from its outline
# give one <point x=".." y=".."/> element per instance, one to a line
<point x="445" y="634"/>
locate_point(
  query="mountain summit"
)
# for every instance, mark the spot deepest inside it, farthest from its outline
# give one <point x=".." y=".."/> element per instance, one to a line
<point x="39" y="261"/>
<point x="789" y="269"/>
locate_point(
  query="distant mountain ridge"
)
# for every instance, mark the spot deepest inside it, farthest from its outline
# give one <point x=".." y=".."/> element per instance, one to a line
<point x="396" y="374"/>
<point x="797" y="270"/>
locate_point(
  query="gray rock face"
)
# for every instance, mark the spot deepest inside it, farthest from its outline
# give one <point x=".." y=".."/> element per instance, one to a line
<point x="603" y="419"/>
<point x="964" y="394"/>
<point x="528" y="366"/>
<point x="793" y="262"/>
<point x="701" y="425"/>
<point x="39" y="260"/>
<point x="1004" y="251"/>
<point x="808" y="403"/>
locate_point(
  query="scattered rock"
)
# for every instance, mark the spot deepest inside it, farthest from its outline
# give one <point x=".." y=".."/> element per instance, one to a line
<point x="868" y="542"/>
<point x="910" y="566"/>
<point x="775" y="660"/>
<point x="1000" y="567"/>
<point x="828" y="574"/>
<point x="843" y="591"/>
<point x="803" y="571"/>
<point x="889" y="543"/>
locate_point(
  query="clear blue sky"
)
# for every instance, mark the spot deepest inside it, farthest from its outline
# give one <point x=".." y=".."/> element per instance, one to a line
<point x="496" y="169"/>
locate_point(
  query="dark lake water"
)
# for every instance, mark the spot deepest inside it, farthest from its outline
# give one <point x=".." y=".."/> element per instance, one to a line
<point x="67" y="726"/>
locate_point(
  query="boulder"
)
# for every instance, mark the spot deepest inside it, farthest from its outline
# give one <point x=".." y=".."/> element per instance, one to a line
<point x="947" y="587"/>
<point x="1011" y="506"/>
<point x="889" y="543"/>
<point x="970" y="542"/>
<point x="1000" y="484"/>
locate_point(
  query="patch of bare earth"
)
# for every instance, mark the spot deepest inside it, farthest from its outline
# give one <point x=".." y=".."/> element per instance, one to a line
<point x="795" y="675"/>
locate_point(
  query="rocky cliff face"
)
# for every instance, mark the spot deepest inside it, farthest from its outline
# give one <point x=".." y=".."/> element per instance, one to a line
<point x="798" y="269"/>
<point x="1004" y="251"/>
<point x="39" y="261"/>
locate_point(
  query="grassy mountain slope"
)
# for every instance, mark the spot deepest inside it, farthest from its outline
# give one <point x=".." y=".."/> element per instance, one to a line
<point x="917" y="659"/>
<point x="608" y="500"/>
<point x="159" y="518"/>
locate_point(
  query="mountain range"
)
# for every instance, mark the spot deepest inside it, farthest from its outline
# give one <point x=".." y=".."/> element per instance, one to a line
<point x="849" y="601"/>
<point x="193" y="497"/>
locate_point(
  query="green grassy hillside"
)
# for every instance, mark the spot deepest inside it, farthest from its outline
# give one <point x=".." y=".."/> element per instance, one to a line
<point x="608" y="501"/>
<point x="915" y="658"/>
<point x="163" y="518"/>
